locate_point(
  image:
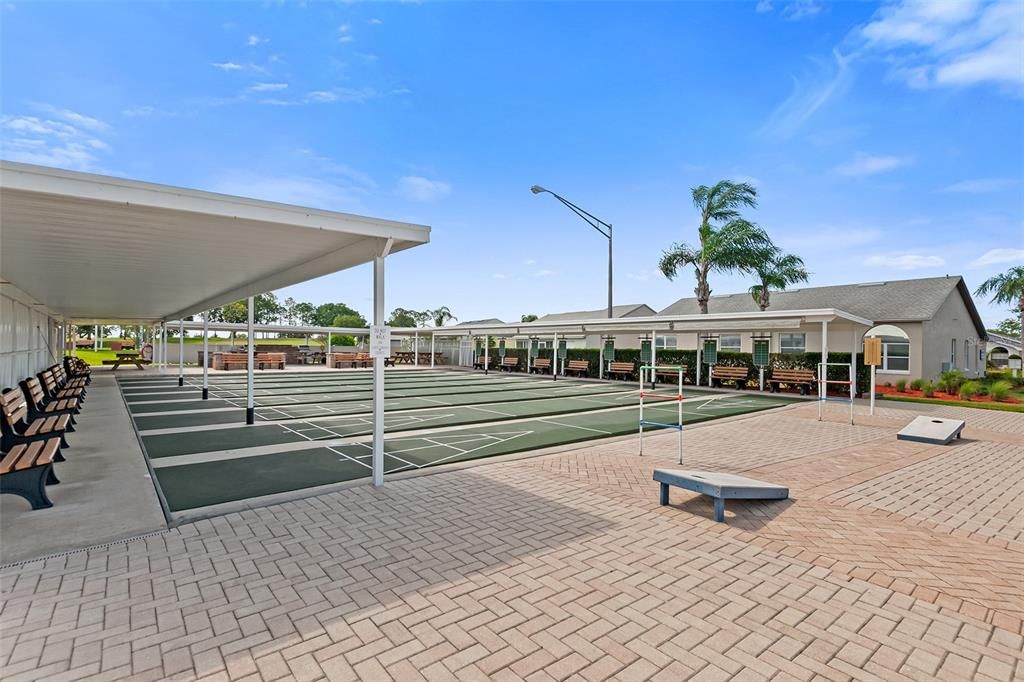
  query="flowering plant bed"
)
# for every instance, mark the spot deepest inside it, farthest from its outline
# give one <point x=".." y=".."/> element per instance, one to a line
<point x="942" y="398"/>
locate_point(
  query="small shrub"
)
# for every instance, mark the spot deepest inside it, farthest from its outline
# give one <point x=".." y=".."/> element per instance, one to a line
<point x="901" y="385"/>
<point x="999" y="390"/>
<point x="982" y="388"/>
<point x="928" y="389"/>
<point x="916" y="384"/>
<point x="968" y="389"/>
<point x="949" y="382"/>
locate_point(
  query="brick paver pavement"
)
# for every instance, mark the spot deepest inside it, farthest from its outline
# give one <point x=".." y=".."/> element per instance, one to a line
<point x="891" y="561"/>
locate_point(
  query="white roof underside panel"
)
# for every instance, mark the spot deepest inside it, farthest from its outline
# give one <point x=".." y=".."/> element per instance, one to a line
<point x="94" y="247"/>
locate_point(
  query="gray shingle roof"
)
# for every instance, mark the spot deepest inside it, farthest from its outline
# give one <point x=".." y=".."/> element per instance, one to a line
<point x="477" y="323"/>
<point x="625" y="310"/>
<point x="894" y="301"/>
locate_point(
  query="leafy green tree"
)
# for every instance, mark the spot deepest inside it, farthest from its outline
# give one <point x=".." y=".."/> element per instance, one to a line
<point x="1007" y="289"/>
<point x="288" y="311"/>
<point x="237" y="313"/>
<point x="727" y="241"/>
<point x="441" y="316"/>
<point x="403" y="317"/>
<point x="355" y="320"/>
<point x="305" y="313"/>
<point x="528" y="318"/>
<point x="776" y="270"/>
<point x="326" y="312"/>
<point x="1009" y="327"/>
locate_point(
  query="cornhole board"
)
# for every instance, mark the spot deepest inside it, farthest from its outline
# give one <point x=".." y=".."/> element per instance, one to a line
<point x="933" y="430"/>
<point x="718" y="486"/>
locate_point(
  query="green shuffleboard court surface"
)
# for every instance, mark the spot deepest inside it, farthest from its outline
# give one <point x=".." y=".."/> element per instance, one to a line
<point x="314" y="429"/>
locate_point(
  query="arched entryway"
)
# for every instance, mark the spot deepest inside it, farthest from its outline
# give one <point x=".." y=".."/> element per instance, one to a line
<point x="895" y="348"/>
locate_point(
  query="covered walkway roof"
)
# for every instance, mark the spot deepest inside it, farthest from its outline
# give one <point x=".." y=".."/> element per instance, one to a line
<point x="92" y="247"/>
<point x="709" y="323"/>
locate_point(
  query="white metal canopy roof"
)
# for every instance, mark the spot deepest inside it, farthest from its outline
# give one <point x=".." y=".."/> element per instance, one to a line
<point x="706" y="323"/>
<point x="95" y="247"/>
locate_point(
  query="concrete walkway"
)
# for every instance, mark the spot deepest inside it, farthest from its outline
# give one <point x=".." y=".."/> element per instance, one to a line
<point x="105" y="493"/>
<point x="891" y="561"/>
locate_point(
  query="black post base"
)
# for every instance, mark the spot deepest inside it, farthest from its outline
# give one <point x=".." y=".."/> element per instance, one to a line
<point x="181" y="381"/>
<point x="250" y="415"/>
<point x="206" y="394"/>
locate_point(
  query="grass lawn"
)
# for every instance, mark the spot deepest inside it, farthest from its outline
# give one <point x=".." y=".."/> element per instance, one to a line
<point x="1004" y="407"/>
<point x="97" y="357"/>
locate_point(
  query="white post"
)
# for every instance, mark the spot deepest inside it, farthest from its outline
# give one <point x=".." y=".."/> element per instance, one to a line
<point x="250" y="402"/>
<point x="181" y="353"/>
<point x="95" y="336"/>
<point x="600" y="359"/>
<point x="697" y="382"/>
<point x="823" y="369"/>
<point x="432" y="351"/>
<point x="554" y="358"/>
<point x="206" y="354"/>
<point x="378" y="371"/>
<point x="654" y="359"/>
<point x="416" y="348"/>
<point x="163" y="347"/>
<point x="487" y="352"/>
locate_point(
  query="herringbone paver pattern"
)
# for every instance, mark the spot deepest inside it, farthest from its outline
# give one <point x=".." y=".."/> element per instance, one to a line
<point x="564" y="567"/>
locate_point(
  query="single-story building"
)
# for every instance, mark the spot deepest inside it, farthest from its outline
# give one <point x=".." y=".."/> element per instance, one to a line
<point x="1000" y="347"/>
<point x="927" y="325"/>
<point x="594" y="340"/>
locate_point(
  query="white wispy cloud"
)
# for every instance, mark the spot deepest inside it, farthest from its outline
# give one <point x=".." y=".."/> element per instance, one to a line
<point x="763" y="6"/>
<point x="375" y="22"/>
<point x="981" y="185"/>
<point x="498" y="275"/>
<point x="354" y="95"/>
<point x="254" y="40"/>
<point x="345" y="39"/>
<point x="530" y="261"/>
<point x="544" y="273"/>
<point x="998" y="257"/>
<point x="801" y="9"/>
<point x="904" y="261"/>
<point x="949" y="44"/>
<point x="811" y="91"/>
<point x="300" y="190"/>
<point x="227" y="66"/>
<point x="419" y="188"/>
<point x="870" y="164"/>
<point x="267" y="87"/>
<point x="345" y="33"/>
<point x="52" y="142"/>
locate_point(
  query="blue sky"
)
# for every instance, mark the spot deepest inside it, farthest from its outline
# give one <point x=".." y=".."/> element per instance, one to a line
<point x="885" y="140"/>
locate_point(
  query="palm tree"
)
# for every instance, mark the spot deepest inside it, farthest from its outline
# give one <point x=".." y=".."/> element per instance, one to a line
<point x="442" y="316"/>
<point x="728" y="242"/>
<point x="776" y="270"/>
<point x="1008" y="289"/>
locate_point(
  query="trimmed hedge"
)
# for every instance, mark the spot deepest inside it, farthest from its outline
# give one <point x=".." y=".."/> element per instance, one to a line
<point x="689" y="358"/>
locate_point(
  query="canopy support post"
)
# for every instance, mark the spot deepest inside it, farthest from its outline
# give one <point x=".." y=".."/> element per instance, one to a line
<point x="554" y="358"/>
<point x="432" y="351"/>
<point x="487" y="352"/>
<point x="206" y="354"/>
<point x="378" y="369"/>
<point x="416" y="349"/>
<point x="250" y="401"/>
<point x="181" y="353"/>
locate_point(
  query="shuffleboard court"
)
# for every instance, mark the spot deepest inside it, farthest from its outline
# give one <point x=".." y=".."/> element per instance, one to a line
<point x="203" y="456"/>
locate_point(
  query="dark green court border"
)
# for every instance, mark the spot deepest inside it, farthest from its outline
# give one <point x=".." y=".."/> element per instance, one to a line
<point x="354" y="406"/>
<point x="191" y="486"/>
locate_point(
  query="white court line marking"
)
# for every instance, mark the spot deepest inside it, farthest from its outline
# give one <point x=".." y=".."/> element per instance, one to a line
<point x="573" y="426"/>
<point x="433" y="400"/>
<point x="483" y="409"/>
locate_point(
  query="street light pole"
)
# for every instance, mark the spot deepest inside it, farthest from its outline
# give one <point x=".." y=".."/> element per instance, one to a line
<point x="601" y="226"/>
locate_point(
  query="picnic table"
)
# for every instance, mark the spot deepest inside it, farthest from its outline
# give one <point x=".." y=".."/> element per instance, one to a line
<point x="409" y="357"/>
<point x="127" y="358"/>
<point x="309" y="356"/>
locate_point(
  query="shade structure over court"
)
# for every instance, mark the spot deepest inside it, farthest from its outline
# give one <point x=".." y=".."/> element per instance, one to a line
<point x="94" y="248"/>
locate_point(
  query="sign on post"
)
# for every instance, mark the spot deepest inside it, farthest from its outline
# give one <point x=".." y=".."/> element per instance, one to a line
<point x="609" y="350"/>
<point x="872" y="351"/>
<point x="761" y="356"/>
<point x="645" y="351"/>
<point x="562" y="349"/>
<point x="710" y="351"/>
<point x="534" y="349"/>
<point x="380" y="341"/>
<point x="501" y="348"/>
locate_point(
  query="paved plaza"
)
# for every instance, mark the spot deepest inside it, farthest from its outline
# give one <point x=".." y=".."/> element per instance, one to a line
<point x="891" y="560"/>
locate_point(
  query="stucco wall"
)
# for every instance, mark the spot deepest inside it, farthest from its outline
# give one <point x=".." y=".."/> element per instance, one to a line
<point x="952" y="321"/>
